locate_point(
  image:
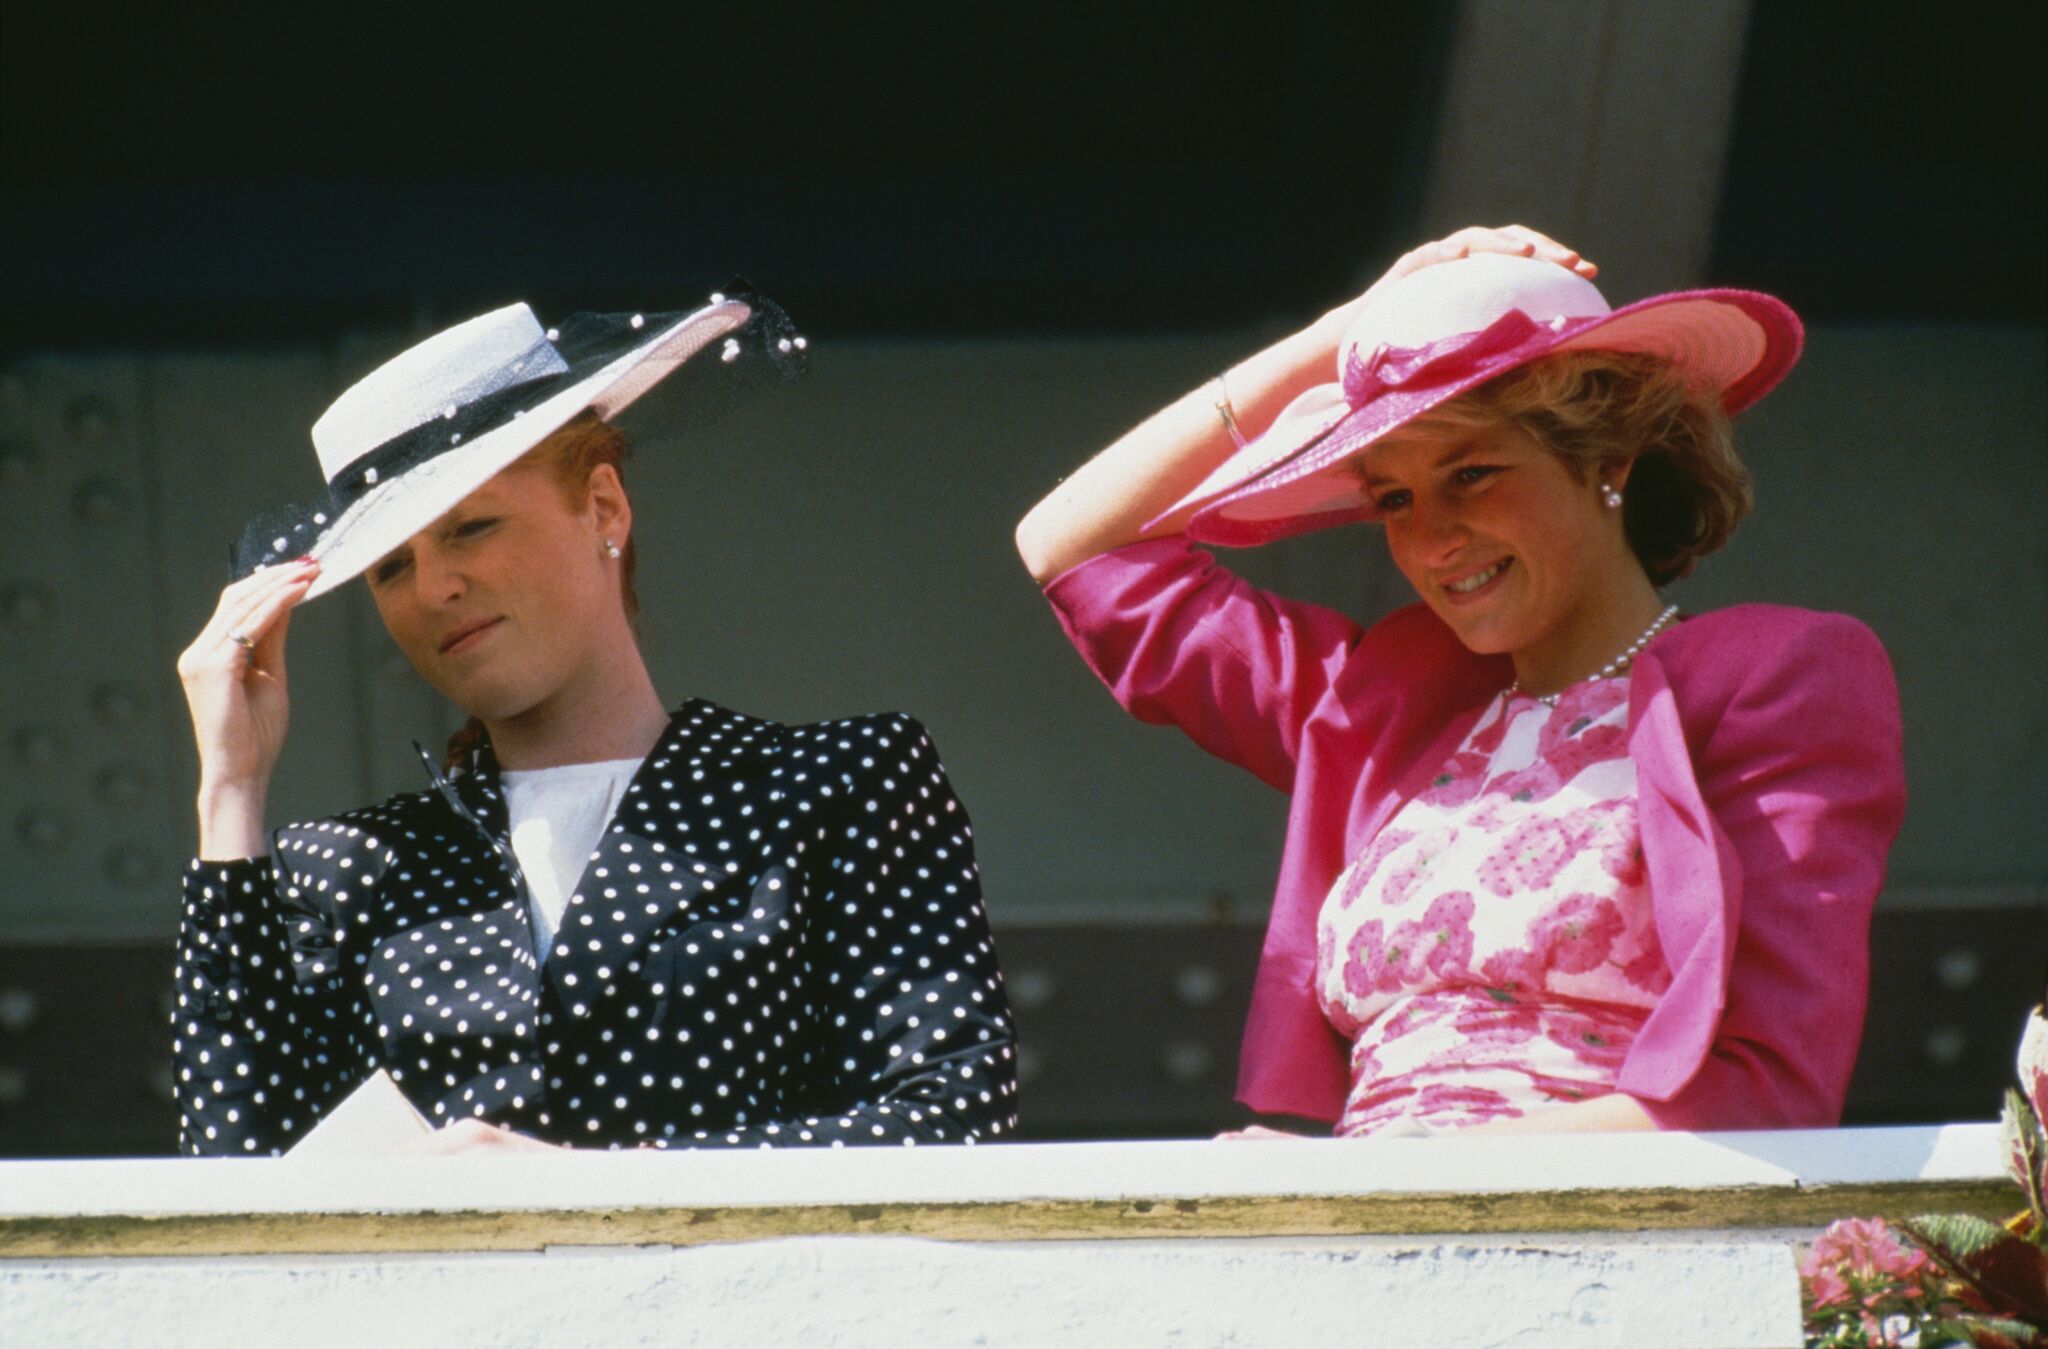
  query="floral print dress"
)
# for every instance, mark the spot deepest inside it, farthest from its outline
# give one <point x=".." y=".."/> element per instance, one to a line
<point x="1492" y="950"/>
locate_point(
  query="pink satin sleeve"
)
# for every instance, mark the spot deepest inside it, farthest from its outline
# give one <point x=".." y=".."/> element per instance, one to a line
<point x="1181" y="641"/>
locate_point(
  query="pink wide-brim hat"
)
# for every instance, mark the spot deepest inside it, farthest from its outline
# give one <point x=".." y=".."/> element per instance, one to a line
<point x="1447" y="328"/>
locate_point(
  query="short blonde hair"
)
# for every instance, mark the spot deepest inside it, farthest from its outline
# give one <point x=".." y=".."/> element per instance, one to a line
<point x="1686" y="491"/>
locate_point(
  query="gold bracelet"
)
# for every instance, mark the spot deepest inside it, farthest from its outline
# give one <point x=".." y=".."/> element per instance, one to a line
<point x="1228" y="413"/>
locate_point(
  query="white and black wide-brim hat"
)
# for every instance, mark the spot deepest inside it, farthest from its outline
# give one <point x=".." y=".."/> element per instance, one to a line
<point x="405" y="444"/>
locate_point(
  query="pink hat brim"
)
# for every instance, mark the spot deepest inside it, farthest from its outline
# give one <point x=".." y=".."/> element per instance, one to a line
<point x="1291" y="480"/>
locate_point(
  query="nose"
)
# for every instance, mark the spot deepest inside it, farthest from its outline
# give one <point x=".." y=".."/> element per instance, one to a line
<point x="437" y="581"/>
<point x="1436" y="534"/>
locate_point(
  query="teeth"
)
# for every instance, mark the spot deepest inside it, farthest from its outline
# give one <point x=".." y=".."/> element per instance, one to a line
<point x="1472" y="583"/>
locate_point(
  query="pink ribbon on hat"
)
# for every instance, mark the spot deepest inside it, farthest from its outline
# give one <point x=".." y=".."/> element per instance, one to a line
<point x="1443" y="361"/>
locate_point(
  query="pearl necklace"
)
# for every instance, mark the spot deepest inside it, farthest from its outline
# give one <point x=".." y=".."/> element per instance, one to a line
<point x="1611" y="668"/>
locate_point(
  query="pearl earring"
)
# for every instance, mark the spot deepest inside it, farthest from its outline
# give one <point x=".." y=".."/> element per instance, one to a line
<point x="1610" y="496"/>
<point x="611" y="549"/>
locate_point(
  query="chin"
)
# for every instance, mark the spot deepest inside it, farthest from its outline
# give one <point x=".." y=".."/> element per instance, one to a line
<point x="487" y="699"/>
<point x="1483" y="634"/>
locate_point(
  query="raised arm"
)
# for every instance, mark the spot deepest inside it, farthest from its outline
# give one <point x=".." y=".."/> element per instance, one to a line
<point x="1107" y="502"/>
<point x="234" y="682"/>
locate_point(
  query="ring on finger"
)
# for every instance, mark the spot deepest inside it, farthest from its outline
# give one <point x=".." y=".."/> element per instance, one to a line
<point x="239" y="640"/>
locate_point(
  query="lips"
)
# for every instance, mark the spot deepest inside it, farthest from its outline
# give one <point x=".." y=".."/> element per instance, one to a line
<point x="466" y="635"/>
<point x="1473" y="582"/>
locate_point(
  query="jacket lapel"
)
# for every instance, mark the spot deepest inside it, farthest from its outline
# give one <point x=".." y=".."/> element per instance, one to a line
<point x="643" y="881"/>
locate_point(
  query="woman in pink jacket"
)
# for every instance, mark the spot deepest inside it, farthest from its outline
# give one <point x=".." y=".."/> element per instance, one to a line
<point x="1558" y="857"/>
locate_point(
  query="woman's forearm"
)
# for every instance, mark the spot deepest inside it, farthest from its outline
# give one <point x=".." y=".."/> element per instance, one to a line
<point x="1107" y="502"/>
<point x="231" y="820"/>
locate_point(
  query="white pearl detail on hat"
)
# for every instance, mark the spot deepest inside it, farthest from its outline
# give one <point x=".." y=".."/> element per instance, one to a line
<point x="414" y="387"/>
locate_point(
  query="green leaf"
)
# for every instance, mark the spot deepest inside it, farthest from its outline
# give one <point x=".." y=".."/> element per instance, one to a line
<point x="1983" y="1332"/>
<point x="2026" y="1152"/>
<point x="2009" y="1272"/>
<point x="2033" y="1060"/>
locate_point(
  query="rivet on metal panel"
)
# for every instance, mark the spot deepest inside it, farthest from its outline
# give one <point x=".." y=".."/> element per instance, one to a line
<point x="1957" y="968"/>
<point x="1030" y="1063"/>
<point x="119" y="785"/>
<point x="90" y="419"/>
<point x="1945" y="1045"/>
<point x="1197" y="985"/>
<point x="26" y="604"/>
<point x="18" y="464"/>
<point x="1030" y="988"/>
<point x="13" y="1086"/>
<point x="99" y="500"/>
<point x="37" y="746"/>
<point x="1186" y="1060"/>
<point x="18" y="1008"/>
<point x="117" y="704"/>
<point x="129" y="865"/>
<point x="42" y="830"/>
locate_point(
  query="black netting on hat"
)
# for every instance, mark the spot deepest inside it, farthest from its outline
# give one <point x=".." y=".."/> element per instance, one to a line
<point x="765" y="350"/>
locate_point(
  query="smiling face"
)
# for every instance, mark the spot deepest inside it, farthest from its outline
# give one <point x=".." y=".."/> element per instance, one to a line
<point x="1508" y="546"/>
<point x="510" y="600"/>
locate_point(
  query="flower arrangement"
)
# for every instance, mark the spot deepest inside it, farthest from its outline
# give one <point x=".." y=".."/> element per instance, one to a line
<point x="1946" y="1279"/>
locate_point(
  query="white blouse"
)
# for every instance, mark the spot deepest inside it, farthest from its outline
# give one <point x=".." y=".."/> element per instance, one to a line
<point x="557" y="817"/>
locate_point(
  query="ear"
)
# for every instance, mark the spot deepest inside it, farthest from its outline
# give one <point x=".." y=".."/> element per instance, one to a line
<point x="1615" y="474"/>
<point x="609" y="509"/>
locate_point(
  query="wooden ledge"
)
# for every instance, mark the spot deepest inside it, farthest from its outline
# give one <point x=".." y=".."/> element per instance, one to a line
<point x="1044" y="1192"/>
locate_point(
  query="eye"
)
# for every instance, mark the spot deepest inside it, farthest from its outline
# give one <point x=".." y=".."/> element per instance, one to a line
<point x="471" y="528"/>
<point x="1470" y="475"/>
<point x="1391" y="500"/>
<point x="389" y="570"/>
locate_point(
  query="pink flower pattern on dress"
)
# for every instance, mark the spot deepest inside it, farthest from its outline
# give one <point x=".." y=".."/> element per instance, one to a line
<point x="1532" y="854"/>
<point x="1493" y="949"/>
<point x="1360" y="873"/>
<point x="1576" y="935"/>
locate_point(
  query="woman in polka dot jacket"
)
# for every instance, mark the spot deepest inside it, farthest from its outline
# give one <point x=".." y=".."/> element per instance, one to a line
<point x="775" y="936"/>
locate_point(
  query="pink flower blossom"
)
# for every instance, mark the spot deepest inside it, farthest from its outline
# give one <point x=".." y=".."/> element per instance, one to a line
<point x="1530" y="856"/>
<point x="1360" y="873"/>
<point x="1458" y="782"/>
<point x="1648" y="970"/>
<point x="1373" y="964"/>
<point x="1583" y="702"/>
<point x="1507" y="974"/>
<point x="1863" y="1247"/>
<point x="1590" y="1042"/>
<point x="1826" y="1287"/>
<point x="1576" y="935"/>
<point x="1442" y="938"/>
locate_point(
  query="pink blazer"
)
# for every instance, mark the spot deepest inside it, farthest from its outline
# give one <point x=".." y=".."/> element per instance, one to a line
<point x="1770" y="785"/>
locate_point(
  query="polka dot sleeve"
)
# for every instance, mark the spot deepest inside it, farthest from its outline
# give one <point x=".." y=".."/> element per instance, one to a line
<point x="917" y="1042"/>
<point x="262" y="1035"/>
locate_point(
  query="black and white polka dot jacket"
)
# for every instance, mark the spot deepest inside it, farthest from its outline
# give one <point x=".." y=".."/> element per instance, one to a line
<point x="778" y="940"/>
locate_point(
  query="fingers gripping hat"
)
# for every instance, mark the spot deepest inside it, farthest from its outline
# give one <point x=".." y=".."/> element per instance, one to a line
<point x="1448" y="328"/>
<point x="407" y="442"/>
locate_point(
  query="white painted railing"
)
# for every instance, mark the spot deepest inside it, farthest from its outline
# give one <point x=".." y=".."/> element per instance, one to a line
<point x="1633" y="1239"/>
